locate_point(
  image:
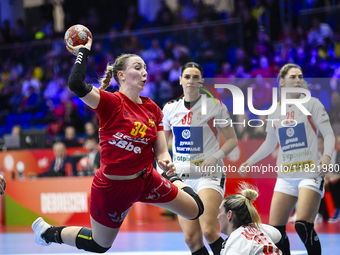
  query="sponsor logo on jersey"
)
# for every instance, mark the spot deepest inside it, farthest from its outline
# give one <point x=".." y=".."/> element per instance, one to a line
<point x="79" y="58"/>
<point x="186" y="134"/>
<point x="158" y="192"/>
<point x="290" y="132"/>
<point x="184" y="158"/>
<point x="153" y="196"/>
<point x="126" y="146"/>
<point x="306" y="165"/>
<point x="116" y="218"/>
<point x="290" y="156"/>
<point x="198" y="162"/>
<point x="292" y="138"/>
<point x="121" y="136"/>
<point x="188" y="139"/>
<point x="151" y="122"/>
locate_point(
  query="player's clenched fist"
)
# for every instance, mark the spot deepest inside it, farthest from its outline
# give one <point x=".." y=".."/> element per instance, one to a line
<point x="167" y="167"/>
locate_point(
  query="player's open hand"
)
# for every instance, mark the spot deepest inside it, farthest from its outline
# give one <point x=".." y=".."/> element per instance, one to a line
<point x="75" y="49"/>
<point x="243" y="168"/>
<point x="2" y="185"/>
<point x="167" y="166"/>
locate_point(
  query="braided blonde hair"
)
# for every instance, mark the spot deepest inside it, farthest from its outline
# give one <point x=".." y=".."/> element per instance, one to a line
<point x="112" y="70"/>
<point x="105" y="81"/>
<point x="241" y="205"/>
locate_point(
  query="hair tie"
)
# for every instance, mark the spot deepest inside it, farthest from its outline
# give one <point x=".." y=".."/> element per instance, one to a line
<point x="110" y="73"/>
<point x="246" y="197"/>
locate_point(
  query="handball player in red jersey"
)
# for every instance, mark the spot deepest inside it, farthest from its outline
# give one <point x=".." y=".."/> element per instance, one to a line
<point x="131" y="138"/>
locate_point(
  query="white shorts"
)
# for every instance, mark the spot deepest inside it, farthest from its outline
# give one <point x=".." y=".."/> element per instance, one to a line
<point x="291" y="186"/>
<point x="217" y="184"/>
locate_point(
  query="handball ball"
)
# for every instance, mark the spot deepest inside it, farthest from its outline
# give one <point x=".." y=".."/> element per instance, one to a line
<point x="77" y="35"/>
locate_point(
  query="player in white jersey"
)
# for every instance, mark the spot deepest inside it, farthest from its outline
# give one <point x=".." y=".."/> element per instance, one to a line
<point x="240" y="221"/>
<point x="301" y="170"/>
<point x="196" y="140"/>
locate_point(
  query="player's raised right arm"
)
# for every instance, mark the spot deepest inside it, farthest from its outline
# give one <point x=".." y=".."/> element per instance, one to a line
<point x="85" y="91"/>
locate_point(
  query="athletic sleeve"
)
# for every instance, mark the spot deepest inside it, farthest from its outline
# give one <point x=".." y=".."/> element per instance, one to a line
<point x="166" y="122"/>
<point x="109" y="104"/>
<point x="267" y="146"/>
<point x="321" y="119"/>
<point x="265" y="242"/>
<point x="224" y="114"/>
<point x="264" y="248"/>
<point x="76" y="81"/>
<point x="159" y="114"/>
<point x="329" y="138"/>
<point x="318" y="112"/>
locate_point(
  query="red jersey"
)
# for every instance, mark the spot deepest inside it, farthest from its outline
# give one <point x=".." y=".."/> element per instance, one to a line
<point x="127" y="132"/>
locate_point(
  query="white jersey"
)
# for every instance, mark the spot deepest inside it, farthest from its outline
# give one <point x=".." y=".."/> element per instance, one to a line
<point x="298" y="151"/>
<point x="195" y="136"/>
<point x="248" y="240"/>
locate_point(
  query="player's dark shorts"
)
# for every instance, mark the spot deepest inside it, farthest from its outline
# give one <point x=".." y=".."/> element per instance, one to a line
<point x="111" y="200"/>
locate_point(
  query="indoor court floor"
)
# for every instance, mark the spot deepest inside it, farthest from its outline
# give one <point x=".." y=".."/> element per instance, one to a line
<point x="162" y="237"/>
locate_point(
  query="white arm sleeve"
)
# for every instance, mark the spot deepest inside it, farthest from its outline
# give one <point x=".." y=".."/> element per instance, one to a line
<point x="166" y="122"/>
<point x="266" y="148"/>
<point x="328" y="136"/>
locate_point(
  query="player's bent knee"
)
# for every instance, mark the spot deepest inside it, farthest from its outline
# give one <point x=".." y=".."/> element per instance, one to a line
<point x="197" y="199"/>
<point x="210" y="233"/>
<point x="84" y="241"/>
<point x="305" y="230"/>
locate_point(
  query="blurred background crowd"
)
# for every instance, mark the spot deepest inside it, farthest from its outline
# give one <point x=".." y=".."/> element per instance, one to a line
<point x="245" y="43"/>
